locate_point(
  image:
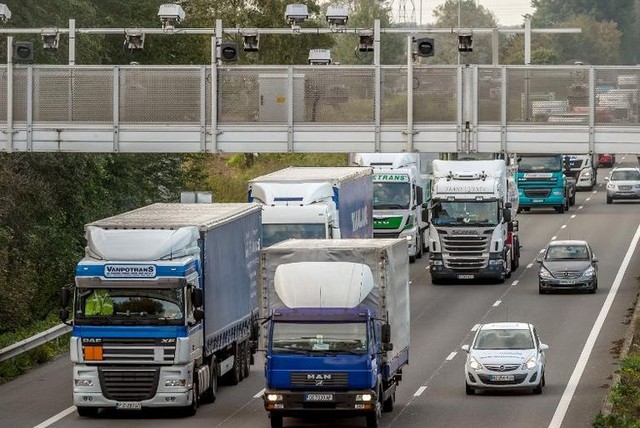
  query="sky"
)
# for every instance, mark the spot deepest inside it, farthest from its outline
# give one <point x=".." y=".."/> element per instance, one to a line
<point x="507" y="12"/>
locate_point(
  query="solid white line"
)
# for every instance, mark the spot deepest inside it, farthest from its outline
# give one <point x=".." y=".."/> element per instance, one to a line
<point x="515" y="282"/>
<point x="529" y="265"/>
<point x="475" y="327"/>
<point x="451" y="356"/>
<point x="497" y="303"/>
<point x="580" y="207"/>
<point x="420" y="391"/>
<point x="52" y="420"/>
<point x="259" y="394"/>
<point x="564" y="226"/>
<point x="567" y="395"/>
<point x="573" y="216"/>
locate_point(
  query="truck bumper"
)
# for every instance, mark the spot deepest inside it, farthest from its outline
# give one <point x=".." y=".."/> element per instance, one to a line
<point x="306" y="403"/>
<point x="88" y="391"/>
<point x="549" y="202"/>
<point x="442" y="273"/>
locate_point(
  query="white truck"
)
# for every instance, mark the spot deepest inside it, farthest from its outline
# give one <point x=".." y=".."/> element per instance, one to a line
<point x="472" y="230"/>
<point x="164" y="306"/>
<point x="337" y="329"/>
<point x="314" y="202"/>
<point x="399" y="206"/>
<point x="582" y="169"/>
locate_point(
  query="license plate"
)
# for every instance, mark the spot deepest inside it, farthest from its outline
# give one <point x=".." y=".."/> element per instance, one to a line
<point x="567" y="282"/>
<point x="318" y="397"/>
<point x="502" y="378"/>
<point x="129" y="406"/>
<point x="465" y="276"/>
<point x="538" y="201"/>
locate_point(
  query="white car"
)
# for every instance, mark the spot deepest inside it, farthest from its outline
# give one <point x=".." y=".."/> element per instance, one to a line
<point x="505" y="355"/>
<point x="623" y="183"/>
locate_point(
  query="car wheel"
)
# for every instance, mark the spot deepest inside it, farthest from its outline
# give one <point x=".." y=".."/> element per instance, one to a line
<point x="538" y="389"/>
<point x="544" y="379"/>
<point x="609" y="199"/>
<point x="468" y="389"/>
<point x="541" y="290"/>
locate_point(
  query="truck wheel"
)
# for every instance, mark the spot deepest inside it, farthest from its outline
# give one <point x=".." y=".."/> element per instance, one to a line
<point x="560" y="209"/>
<point x="246" y="359"/>
<point x="233" y="376"/>
<point x="275" y="420"/>
<point x="210" y="395"/>
<point x="387" y="405"/>
<point x="419" y="247"/>
<point x="193" y="407"/>
<point x="572" y="200"/>
<point x="372" y="420"/>
<point x="87" y="412"/>
<point x="515" y="263"/>
<point x="567" y="203"/>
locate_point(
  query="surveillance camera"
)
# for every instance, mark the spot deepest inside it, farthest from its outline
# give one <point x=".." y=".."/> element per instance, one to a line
<point x="296" y="13"/>
<point x="134" y="39"/>
<point x="170" y="14"/>
<point x="465" y="41"/>
<point x="320" y="57"/>
<point x="337" y="15"/>
<point x="50" y="38"/>
<point x="5" y="13"/>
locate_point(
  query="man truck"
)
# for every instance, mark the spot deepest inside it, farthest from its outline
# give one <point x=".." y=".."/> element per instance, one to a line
<point x="542" y="182"/>
<point x="473" y="233"/>
<point x="337" y="327"/>
<point x="164" y="306"/>
<point x="399" y="187"/>
<point x="314" y="202"/>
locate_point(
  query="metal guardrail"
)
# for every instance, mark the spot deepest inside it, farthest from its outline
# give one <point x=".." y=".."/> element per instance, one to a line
<point x="33" y="341"/>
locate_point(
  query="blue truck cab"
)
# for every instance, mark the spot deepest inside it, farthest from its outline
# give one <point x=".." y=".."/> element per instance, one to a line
<point x="542" y="182"/>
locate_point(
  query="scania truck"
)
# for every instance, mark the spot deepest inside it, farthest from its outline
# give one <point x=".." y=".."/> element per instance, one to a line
<point x="542" y="182"/>
<point x="473" y="233"/>
<point x="399" y="205"/>
<point x="164" y="306"/>
<point x="314" y="202"/>
<point x="337" y="327"/>
<point x="582" y="169"/>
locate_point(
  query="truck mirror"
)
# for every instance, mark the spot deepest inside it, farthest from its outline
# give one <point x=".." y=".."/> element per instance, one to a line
<point x="566" y="161"/>
<point x="64" y="315"/>
<point x="196" y="297"/>
<point x="198" y="315"/>
<point x="506" y="214"/>
<point x="386" y="333"/>
<point x="425" y="216"/>
<point x="64" y="296"/>
<point x="419" y="196"/>
<point x="508" y="205"/>
<point x="387" y="346"/>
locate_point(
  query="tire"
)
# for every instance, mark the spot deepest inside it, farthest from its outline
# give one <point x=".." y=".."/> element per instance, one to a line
<point x="609" y="200"/>
<point x="275" y="420"/>
<point x="419" y="246"/>
<point x="372" y="420"/>
<point x="515" y="263"/>
<point x="572" y="200"/>
<point x="247" y="360"/>
<point x="468" y="389"/>
<point x="87" y="412"/>
<point x="191" y="409"/>
<point x="567" y="203"/>
<point x="387" y="405"/>
<point x="541" y="290"/>
<point x="538" y="389"/>
<point x="560" y="209"/>
<point x="210" y="395"/>
<point x="233" y="377"/>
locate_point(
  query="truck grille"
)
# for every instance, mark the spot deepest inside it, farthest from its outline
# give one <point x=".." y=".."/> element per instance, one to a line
<point x="537" y="193"/>
<point x="386" y="235"/>
<point x="317" y="381"/>
<point x="136" y="350"/>
<point x="465" y="252"/>
<point x="129" y="384"/>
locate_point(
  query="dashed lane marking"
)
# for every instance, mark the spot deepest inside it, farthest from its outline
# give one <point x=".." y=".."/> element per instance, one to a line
<point x="451" y="356"/>
<point x="475" y="327"/>
<point x="497" y="303"/>
<point x="259" y="394"/>
<point x="420" y="391"/>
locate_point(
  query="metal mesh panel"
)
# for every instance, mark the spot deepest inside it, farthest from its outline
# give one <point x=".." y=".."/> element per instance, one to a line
<point x="72" y="95"/>
<point x="489" y="94"/>
<point x="552" y="96"/>
<point x="617" y="96"/>
<point x="252" y="94"/>
<point x="19" y="95"/>
<point x="434" y="94"/>
<point x="393" y="94"/>
<point x="338" y="94"/>
<point x="159" y="95"/>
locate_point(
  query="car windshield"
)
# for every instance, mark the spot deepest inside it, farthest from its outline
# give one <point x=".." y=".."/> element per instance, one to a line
<point x="625" y="176"/>
<point x="504" y="339"/>
<point x="567" y="252"/>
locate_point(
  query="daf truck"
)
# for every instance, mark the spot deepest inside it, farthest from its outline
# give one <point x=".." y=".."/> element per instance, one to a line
<point x="542" y="182"/>
<point x="399" y="208"/>
<point x="337" y="327"/>
<point x="314" y="202"/>
<point x="473" y="233"/>
<point x="164" y="306"/>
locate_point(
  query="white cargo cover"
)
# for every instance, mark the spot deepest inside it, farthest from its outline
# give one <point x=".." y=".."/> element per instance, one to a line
<point x="387" y="260"/>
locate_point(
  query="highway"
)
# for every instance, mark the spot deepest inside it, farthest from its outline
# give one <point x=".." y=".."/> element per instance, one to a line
<point x="582" y="331"/>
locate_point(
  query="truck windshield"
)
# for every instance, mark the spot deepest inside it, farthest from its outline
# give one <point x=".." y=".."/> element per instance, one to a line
<point x="540" y="164"/>
<point x="391" y="195"/>
<point x="125" y="305"/>
<point x="274" y="233"/>
<point x="347" y="338"/>
<point x="465" y="213"/>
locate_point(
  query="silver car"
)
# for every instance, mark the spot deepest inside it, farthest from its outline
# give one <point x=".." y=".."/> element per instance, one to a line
<point x="505" y="356"/>
<point x="623" y="183"/>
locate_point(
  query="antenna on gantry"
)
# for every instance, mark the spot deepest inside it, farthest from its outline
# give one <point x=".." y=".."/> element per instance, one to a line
<point x="404" y="11"/>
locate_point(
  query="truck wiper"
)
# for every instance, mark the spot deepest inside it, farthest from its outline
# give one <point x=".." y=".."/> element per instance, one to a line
<point x="348" y="351"/>
<point x="282" y="349"/>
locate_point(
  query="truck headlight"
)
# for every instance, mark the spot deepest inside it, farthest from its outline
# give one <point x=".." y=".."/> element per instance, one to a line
<point x="274" y="397"/>
<point x="175" y="382"/>
<point x="364" y="397"/>
<point x="557" y="193"/>
<point x="408" y="238"/>
<point x="83" y="382"/>
<point x="531" y="363"/>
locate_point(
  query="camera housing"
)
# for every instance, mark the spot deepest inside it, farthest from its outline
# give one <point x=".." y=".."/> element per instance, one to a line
<point x="320" y="57"/>
<point x="337" y="15"/>
<point x="296" y="13"/>
<point x="170" y="14"/>
<point x="5" y="13"/>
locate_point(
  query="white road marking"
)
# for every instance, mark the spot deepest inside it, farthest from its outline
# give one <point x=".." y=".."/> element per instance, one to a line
<point x="570" y="389"/>
<point x="529" y="265"/>
<point x="541" y="251"/>
<point x="580" y="207"/>
<point x="595" y="191"/>
<point x="259" y="394"/>
<point x="52" y="420"/>
<point x="573" y="216"/>
<point x="420" y="391"/>
<point x="588" y="199"/>
<point x="451" y="356"/>
<point x="410" y="282"/>
<point x="553" y="238"/>
<point x="475" y="327"/>
<point x="515" y="282"/>
<point x="497" y="303"/>
<point x="564" y="226"/>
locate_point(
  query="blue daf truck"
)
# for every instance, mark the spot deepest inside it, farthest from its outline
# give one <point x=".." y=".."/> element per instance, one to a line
<point x="542" y="182"/>
<point x="164" y="306"/>
<point x="337" y="330"/>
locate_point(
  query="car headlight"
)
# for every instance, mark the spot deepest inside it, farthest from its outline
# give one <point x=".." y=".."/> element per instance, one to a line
<point x="531" y="363"/>
<point x="585" y="173"/>
<point x="611" y="186"/>
<point x="637" y="186"/>
<point x="591" y="271"/>
<point x="474" y="364"/>
<point x="544" y="273"/>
